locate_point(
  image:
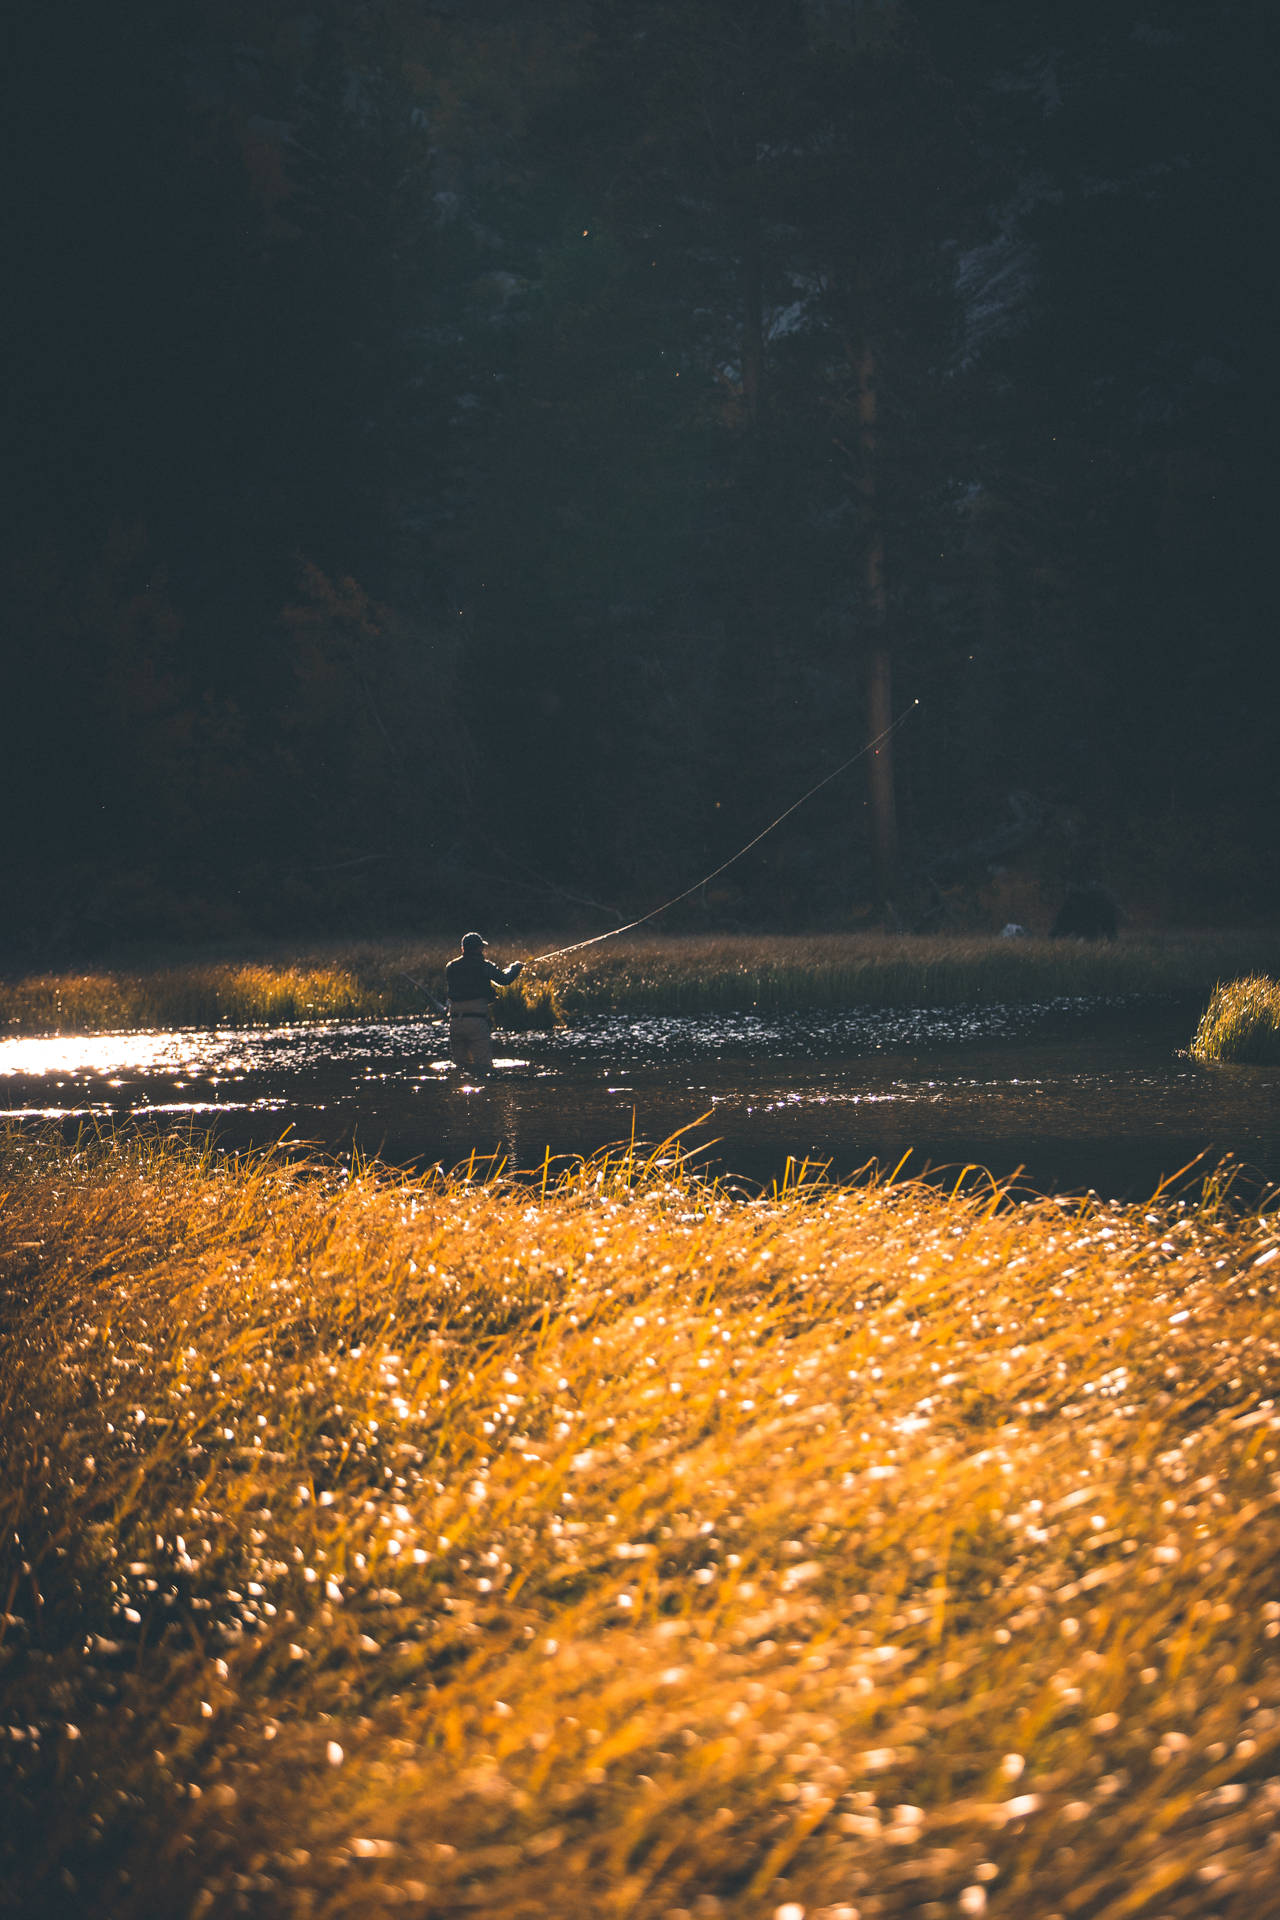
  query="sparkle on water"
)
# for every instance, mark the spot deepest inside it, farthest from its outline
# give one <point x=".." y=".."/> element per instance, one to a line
<point x="1041" y="1086"/>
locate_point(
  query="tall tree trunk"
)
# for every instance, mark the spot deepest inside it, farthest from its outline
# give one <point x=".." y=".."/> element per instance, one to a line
<point x="879" y="664"/>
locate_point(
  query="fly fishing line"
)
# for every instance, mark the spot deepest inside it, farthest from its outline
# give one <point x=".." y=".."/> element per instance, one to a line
<point x="871" y="746"/>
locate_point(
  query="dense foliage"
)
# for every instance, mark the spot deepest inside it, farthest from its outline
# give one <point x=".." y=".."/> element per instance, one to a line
<point x="491" y="459"/>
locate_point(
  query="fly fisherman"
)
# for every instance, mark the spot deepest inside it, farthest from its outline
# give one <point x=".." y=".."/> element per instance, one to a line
<point x="470" y="980"/>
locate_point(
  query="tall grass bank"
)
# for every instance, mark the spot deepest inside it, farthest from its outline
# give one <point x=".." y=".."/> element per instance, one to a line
<point x="635" y="974"/>
<point x="602" y="1545"/>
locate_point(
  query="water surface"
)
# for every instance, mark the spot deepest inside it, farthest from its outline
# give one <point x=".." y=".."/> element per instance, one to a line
<point x="1077" y="1094"/>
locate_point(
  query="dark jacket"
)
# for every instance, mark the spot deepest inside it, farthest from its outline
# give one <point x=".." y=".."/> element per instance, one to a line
<point x="472" y="977"/>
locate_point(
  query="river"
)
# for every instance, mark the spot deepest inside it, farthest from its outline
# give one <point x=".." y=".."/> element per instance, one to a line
<point x="1074" y="1094"/>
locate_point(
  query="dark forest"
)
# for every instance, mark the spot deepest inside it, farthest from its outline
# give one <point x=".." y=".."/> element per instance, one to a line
<point x="490" y="459"/>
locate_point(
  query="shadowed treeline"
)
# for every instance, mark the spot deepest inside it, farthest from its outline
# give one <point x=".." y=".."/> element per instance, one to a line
<point x="473" y="454"/>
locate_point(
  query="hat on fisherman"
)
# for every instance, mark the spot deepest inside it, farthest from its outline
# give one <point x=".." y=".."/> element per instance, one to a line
<point x="470" y="941"/>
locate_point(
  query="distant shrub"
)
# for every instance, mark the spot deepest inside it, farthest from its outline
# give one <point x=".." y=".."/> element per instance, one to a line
<point x="1087" y="913"/>
<point x="1241" y="1022"/>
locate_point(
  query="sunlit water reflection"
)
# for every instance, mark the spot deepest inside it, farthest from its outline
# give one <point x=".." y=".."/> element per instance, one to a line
<point x="1078" y="1094"/>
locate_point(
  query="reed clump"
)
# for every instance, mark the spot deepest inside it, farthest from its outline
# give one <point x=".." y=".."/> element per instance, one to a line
<point x="1241" y="1023"/>
<point x="599" y="1543"/>
<point x="694" y="974"/>
<point x="527" y="1006"/>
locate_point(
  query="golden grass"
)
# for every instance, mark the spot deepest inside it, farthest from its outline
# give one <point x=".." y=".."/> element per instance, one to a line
<point x="1241" y="1023"/>
<point x="633" y="974"/>
<point x="357" y="984"/>
<point x="200" y="995"/>
<point x="601" y="1545"/>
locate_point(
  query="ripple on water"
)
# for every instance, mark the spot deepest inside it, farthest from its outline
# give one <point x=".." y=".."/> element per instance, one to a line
<point x="978" y="1082"/>
<point x="384" y="1047"/>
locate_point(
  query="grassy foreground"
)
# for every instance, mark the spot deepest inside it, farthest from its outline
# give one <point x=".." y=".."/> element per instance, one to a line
<point x="612" y="1547"/>
<point x="633" y="974"/>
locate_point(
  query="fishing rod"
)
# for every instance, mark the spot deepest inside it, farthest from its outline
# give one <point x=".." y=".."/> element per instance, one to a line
<point x="871" y="746"/>
<point x="423" y="989"/>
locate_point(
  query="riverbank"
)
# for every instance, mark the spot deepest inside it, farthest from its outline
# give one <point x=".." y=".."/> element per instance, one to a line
<point x="632" y="974"/>
<point x="866" y="1550"/>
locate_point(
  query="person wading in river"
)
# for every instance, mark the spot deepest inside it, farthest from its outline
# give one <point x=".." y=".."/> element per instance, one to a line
<point x="470" y="980"/>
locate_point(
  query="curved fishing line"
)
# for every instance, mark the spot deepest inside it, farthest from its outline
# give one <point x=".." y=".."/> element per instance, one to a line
<point x="558" y="953"/>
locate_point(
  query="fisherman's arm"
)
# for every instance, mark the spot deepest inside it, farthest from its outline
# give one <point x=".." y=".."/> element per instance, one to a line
<point x="505" y="975"/>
